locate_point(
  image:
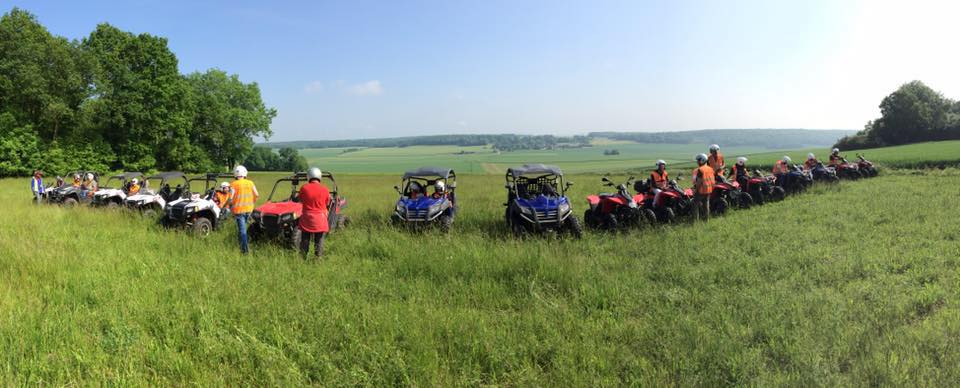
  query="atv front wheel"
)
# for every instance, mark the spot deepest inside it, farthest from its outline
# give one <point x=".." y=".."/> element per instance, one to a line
<point x="112" y="205"/>
<point x="588" y="218"/>
<point x="777" y="194"/>
<point x="149" y="213"/>
<point x="69" y="202"/>
<point x="202" y="227"/>
<point x="746" y="200"/>
<point x="573" y="226"/>
<point x="650" y="216"/>
<point x="295" y="235"/>
<point x="719" y="207"/>
<point x="446" y="222"/>
<point x="668" y="216"/>
<point x="610" y="222"/>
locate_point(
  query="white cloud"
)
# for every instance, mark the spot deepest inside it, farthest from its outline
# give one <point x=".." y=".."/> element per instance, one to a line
<point x="313" y="87"/>
<point x="369" y="88"/>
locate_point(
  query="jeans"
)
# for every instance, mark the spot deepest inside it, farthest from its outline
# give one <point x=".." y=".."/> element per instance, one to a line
<point x="242" y="231"/>
<point x="701" y="206"/>
<point x="83" y="193"/>
<point x="39" y="196"/>
<point x="318" y="243"/>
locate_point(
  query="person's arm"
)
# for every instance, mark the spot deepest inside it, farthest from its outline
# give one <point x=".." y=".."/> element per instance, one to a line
<point x="256" y="194"/>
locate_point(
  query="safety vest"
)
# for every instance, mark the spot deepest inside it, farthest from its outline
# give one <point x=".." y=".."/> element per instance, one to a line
<point x="704" y="185"/>
<point x="810" y="163"/>
<point x="134" y="189"/>
<point x="780" y="168"/>
<point x="221" y="198"/>
<point x="243" y="198"/>
<point x="738" y="171"/>
<point x="715" y="162"/>
<point x="659" y="180"/>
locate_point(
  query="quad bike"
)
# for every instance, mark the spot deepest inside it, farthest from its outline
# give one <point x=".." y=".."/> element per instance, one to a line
<point x="619" y="210"/>
<point x="197" y="212"/>
<point x="69" y="195"/>
<point x="416" y="208"/>
<point x="280" y="221"/>
<point x="534" y="204"/>
<point x="671" y="203"/>
<point x="847" y="170"/>
<point x="727" y="194"/>
<point x="113" y="197"/>
<point x="763" y="188"/>
<point x="796" y="180"/>
<point x="150" y="203"/>
<point x="821" y="173"/>
<point x="866" y="167"/>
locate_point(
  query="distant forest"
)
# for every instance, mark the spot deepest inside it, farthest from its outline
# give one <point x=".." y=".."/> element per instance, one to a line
<point x="768" y="138"/>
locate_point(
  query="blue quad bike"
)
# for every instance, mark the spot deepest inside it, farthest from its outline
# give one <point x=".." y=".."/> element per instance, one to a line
<point x="536" y="202"/>
<point x="419" y="208"/>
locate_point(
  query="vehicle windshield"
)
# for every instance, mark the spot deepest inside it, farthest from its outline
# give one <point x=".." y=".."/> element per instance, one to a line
<point x="546" y="185"/>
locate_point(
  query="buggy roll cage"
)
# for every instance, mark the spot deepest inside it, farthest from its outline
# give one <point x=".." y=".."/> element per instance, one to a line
<point x="206" y="179"/>
<point x="124" y="179"/>
<point x="425" y="177"/>
<point x="533" y="178"/>
<point x="295" y="181"/>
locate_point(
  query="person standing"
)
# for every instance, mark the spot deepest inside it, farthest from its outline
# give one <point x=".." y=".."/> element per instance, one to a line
<point x="715" y="160"/>
<point x="315" y="197"/>
<point x="242" y="202"/>
<point x="36" y="185"/>
<point x="703" y="180"/>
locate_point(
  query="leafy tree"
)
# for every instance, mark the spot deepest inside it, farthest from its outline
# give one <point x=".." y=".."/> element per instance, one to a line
<point x="292" y="161"/>
<point x="19" y="147"/>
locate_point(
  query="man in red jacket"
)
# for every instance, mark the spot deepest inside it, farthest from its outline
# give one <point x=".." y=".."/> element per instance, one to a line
<point x="313" y="223"/>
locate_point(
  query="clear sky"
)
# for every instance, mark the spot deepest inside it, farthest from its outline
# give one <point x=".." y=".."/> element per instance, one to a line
<point x="351" y="69"/>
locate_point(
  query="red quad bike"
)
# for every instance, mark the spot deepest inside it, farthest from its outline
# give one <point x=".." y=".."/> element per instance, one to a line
<point x="866" y="167"/>
<point x="671" y="203"/>
<point x="279" y="221"/>
<point x="726" y="194"/>
<point x="617" y="211"/>
<point x="764" y="188"/>
<point x="848" y="170"/>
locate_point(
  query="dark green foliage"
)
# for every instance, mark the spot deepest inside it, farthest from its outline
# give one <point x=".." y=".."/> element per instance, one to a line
<point x="913" y="113"/>
<point x="265" y="159"/>
<point x="117" y="100"/>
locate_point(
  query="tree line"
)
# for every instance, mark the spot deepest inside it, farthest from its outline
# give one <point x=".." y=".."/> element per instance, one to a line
<point x="767" y="138"/>
<point x="507" y="142"/>
<point x="911" y="114"/>
<point x="115" y="100"/>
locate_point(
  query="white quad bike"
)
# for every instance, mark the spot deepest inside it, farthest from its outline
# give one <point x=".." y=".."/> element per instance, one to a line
<point x="150" y="202"/>
<point x="113" y="197"/>
<point x="197" y="212"/>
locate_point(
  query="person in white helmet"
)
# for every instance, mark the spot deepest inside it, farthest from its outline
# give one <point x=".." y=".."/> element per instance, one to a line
<point x="89" y="185"/>
<point x="134" y="187"/>
<point x="439" y="189"/>
<point x="835" y="158"/>
<point x="811" y="161"/>
<point x="739" y="173"/>
<point x="781" y="170"/>
<point x="222" y="196"/>
<point x="715" y="161"/>
<point x="314" y="224"/>
<point x="703" y="180"/>
<point x="244" y="197"/>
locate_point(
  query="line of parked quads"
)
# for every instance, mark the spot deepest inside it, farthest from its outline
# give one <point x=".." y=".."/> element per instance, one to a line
<point x="536" y="200"/>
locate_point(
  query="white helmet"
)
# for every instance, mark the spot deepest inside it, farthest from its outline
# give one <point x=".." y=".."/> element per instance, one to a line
<point x="240" y="171"/>
<point x="714" y="147"/>
<point x="835" y="150"/>
<point x="811" y="156"/>
<point x="134" y="181"/>
<point x="89" y="176"/>
<point x="742" y="160"/>
<point x="224" y="185"/>
<point x="660" y="162"/>
<point x="702" y="158"/>
<point x="786" y="159"/>
<point x="440" y="186"/>
<point x="314" y="173"/>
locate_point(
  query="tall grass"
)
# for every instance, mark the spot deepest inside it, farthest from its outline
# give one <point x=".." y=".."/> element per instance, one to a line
<point x="854" y="284"/>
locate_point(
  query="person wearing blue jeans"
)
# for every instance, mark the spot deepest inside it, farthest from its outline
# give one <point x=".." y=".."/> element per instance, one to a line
<point x="242" y="229"/>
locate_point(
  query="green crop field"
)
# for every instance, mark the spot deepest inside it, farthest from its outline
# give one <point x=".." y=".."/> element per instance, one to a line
<point x="852" y="284"/>
<point x="634" y="157"/>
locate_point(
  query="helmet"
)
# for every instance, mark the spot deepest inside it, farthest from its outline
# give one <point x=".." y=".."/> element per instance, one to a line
<point x="76" y="177"/>
<point x="702" y="158"/>
<point x="314" y="173"/>
<point x="224" y="185"/>
<point x="714" y="147"/>
<point x="240" y="171"/>
<point x="660" y="162"/>
<point x="440" y="186"/>
<point x="811" y="156"/>
<point x="835" y="150"/>
<point x="742" y="160"/>
<point x="89" y="176"/>
<point x="134" y="181"/>
<point x="415" y="187"/>
<point x="786" y="159"/>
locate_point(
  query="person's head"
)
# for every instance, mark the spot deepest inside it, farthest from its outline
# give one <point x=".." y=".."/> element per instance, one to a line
<point x="135" y="181"/>
<point x="835" y="151"/>
<point x="415" y="187"/>
<point x="314" y="174"/>
<point x="239" y="172"/>
<point x="76" y="177"/>
<point x="224" y="186"/>
<point x="89" y="176"/>
<point x="439" y="186"/>
<point x="661" y="165"/>
<point x="701" y="159"/>
<point x="714" y="148"/>
<point x="811" y="156"/>
<point x="786" y="159"/>
<point x="742" y="161"/>
<point x="37" y="173"/>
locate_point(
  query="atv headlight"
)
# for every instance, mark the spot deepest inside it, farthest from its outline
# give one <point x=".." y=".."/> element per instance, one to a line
<point x="400" y="208"/>
<point x="286" y="217"/>
<point x="255" y="215"/>
<point x="190" y="209"/>
<point x="526" y="210"/>
<point x="564" y="208"/>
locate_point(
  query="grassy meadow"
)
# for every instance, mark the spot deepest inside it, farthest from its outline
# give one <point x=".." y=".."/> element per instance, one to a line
<point x="852" y="284"/>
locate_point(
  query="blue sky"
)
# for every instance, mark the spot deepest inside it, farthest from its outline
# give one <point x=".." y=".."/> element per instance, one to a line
<point x="349" y="69"/>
